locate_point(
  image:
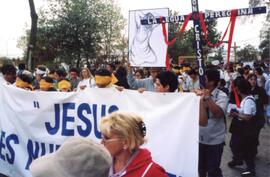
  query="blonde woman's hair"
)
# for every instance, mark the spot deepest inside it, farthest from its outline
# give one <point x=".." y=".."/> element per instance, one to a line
<point x="90" y="75"/>
<point x="128" y="126"/>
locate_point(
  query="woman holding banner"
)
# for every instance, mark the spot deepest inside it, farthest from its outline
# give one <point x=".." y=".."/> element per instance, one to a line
<point x="122" y="135"/>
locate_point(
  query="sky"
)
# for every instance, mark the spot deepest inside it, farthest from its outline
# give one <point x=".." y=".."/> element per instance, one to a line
<point x="15" y="18"/>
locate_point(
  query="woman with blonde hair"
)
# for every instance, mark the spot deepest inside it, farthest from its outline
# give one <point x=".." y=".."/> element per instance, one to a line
<point x="87" y="79"/>
<point x="123" y="134"/>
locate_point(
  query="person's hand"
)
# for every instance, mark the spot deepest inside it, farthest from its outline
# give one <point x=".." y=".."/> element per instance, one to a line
<point x="233" y="114"/>
<point x="198" y="92"/>
<point x="119" y="88"/>
<point x="203" y="93"/>
<point x="128" y="67"/>
<point x="141" y="90"/>
<point x="82" y="87"/>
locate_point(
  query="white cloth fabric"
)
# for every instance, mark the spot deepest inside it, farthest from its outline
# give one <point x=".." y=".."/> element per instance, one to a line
<point x="89" y="83"/>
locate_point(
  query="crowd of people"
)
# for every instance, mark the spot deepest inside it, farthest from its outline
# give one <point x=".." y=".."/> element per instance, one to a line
<point x="235" y="91"/>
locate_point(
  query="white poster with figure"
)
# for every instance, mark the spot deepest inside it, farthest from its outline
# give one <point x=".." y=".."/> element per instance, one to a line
<point x="147" y="47"/>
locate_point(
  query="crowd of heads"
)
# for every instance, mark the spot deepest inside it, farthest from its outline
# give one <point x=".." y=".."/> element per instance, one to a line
<point x="121" y="132"/>
<point x="184" y="77"/>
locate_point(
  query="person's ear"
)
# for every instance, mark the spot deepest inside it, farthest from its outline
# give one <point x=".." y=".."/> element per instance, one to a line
<point x="167" y="88"/>
<point x="125" y="144"/>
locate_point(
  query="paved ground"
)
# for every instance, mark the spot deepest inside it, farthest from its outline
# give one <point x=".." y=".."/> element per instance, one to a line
<point x="262" y="159"/>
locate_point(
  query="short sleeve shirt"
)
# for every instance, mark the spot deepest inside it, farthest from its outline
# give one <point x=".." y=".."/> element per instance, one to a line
<point x="214" y="132"/>
<point x="248" y="106"/>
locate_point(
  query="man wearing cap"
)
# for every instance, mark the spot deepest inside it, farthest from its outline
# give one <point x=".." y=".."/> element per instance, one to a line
<point x="64" y="85"/>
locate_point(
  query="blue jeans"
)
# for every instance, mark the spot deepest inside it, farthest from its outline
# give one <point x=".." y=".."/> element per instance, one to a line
<point x="210" y="159"/>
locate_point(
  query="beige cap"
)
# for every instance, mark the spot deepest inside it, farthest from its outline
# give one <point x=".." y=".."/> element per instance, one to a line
<point x="77" y="157"/>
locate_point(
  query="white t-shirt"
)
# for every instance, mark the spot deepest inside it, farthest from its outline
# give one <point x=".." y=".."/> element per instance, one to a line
<point x="248" y="106"/>
<point x="2" y="80"/>
<point x="193" y="85"/>
<point x="86" y="82"/>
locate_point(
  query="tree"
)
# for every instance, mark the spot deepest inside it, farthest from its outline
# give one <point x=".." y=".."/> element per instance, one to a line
<point x="265" y="44"/>
<point x="248" y="53"/>
<point x="111" y="30"/>
<point x="218" y="54"/>
<point x="33" y="35"/>
<point x="265" y="31"/>
<point x="74" y="30"/>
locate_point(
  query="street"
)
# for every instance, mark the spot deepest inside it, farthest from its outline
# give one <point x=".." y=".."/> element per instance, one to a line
<point x="262" y="159"/>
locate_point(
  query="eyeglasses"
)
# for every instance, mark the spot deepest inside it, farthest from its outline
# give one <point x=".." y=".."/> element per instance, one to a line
<point x="107" y="139"/>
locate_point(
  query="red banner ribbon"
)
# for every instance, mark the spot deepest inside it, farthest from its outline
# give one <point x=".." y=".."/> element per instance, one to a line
<point x="173" y="40"/>
<point x="233" y="19"/>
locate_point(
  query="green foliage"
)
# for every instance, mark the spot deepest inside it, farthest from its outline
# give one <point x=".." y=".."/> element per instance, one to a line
<point x="265" y="43"/>
<point x="74" y="30"/>
<point x="218" y="54"/>
<point x="265" y="31"/>
<point x="248" y="53"/>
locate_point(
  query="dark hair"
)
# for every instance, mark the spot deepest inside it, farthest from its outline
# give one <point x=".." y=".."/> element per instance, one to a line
<point x="48" y="79"/>
<point x="240" y="71"/>
<point x="103" y="72"/>
<point x="259" y="70"/>
<point x="222" y="82"/>
<point x="25" y="78"/>
<point x="192" y="72"/>
<point x="168" y="78"/>
<point x="117" y="62"/>
<point x="112" y="66"/>
<point x="73" y="69"/>
<point x="213" y="75"/>
<point x="52" y="71"/>
<point x="121" y="75"/>
<point x="243" y="86"/>
<point x="251" y="75"/>
<point x="9" y="69"/>
<point x="247" y="67"/>
<point x="61" y="73"/>
<point x="140" y="71"/>
<point x="121" y="71"/>
<point x="21" y="66"/>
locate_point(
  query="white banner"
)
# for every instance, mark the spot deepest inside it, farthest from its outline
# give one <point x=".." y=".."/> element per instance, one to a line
<point x="36" y="123"/>
<point x="146" y="42"/>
